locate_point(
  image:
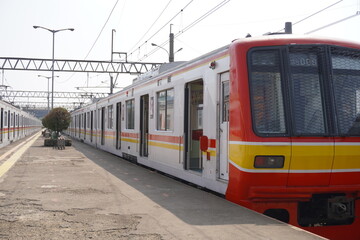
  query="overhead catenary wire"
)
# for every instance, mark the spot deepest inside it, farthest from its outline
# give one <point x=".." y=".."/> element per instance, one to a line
<point x="214" y="9"/>
<point x="313" y="14"/>
<point x="165" y="25"/>
<point x="336" y="22"/>
<point x="198" y="20"/>
<point x="317" y="12"/>
<point x="142" y="37"/>
<point x="102" y="29"/>
<point x="112" y="10"/>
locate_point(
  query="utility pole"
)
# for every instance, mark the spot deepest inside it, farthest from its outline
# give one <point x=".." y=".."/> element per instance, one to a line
<point x="171" y="45"/>
<point x="112" y="43"/>
<point x="112" y="53"/>
<point x="288" y="28"/>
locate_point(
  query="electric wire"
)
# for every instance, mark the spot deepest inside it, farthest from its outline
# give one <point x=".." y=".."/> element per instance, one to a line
<point x="132" y="48"/>
<point x="112" y="10"/>
<point x="311" y="15"/>
<point x="217" y="7"/>
<point x="165" y="25"/>
<point x="336" y="22"/>
<point x="198" y="20"/>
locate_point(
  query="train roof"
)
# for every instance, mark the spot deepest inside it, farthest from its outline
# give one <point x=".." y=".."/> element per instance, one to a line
<point x="279" y="39"/>
<point x="276" y="39"/>
<point x="167" y="68"/>
<point x="285" y="39"/>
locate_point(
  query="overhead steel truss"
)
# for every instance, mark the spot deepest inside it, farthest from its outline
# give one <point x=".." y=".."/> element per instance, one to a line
<point x="21" y="99"/>
<point x="44" y="94"/>
<point x="43" y="105"/>
<point x="63" y="65"/>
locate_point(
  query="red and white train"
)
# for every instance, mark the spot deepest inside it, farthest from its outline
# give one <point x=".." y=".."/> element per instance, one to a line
<point x="15" y="124"/>
<point x="273" y="123"/>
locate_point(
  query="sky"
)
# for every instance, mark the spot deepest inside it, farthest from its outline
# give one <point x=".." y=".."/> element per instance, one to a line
<point x="138" y="23"/>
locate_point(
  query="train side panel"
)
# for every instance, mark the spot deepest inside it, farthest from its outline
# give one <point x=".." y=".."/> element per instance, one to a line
<point x="128" y="123"/>
<point x="234" y="122"/>
<point x="15" y="124"/>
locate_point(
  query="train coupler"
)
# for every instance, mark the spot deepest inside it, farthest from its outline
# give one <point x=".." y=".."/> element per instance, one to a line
<point x="326" y="210"/>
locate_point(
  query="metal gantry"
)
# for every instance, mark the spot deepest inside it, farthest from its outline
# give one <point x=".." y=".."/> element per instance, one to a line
<point x="65" y="65"/>
<point x="44" y="94"/>
<point x="43" y="105"/>
<point x="22" y="98"/>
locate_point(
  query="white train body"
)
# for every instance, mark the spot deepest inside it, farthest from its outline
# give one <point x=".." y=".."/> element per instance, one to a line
<point x="271" y="122"/>
<point x="15" y="124"/>
<point x="159" y="143"/>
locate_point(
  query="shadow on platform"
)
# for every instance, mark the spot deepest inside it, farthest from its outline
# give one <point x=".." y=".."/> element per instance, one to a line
<point x="193" y="206"/>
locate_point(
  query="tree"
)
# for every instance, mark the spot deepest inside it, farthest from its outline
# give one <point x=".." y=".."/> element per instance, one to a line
<point x="57" y="120"/>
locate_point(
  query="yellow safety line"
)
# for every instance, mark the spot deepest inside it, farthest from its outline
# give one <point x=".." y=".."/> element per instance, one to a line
<point x="11" y="151"/>
<point x="16" y="156"/>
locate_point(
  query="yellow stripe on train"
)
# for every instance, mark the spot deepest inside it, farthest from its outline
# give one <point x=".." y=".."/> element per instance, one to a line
<point x="347" y="157"/>
<point x="130" y="140"/>
<point x="166" y="145"/>
<point x="299" y="157"/>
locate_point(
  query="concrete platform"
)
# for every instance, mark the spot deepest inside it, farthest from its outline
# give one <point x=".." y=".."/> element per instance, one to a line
<point x="84" y="193"/>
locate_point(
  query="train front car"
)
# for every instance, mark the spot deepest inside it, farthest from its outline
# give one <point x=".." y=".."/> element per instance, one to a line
<point x="294" y="147"/>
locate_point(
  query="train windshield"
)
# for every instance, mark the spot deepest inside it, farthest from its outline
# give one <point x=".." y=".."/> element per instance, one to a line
<point x="346" y="81"/>
<point x="305" y="91"/>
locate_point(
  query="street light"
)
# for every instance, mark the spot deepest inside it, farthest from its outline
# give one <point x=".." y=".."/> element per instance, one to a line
<point x="53" y="59"/>
<point x="48" y="78"/>
<point x="155" y="45"/>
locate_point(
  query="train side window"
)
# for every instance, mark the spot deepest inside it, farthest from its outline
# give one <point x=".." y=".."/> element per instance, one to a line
<point x="5" y="119"/>
<point x="308" y="105"/>
<point x="266" y="89"/>
<point x="88" y="119"/>
<point x="165" y="110"/>
<point x="98" y="118"/>
<point x="346" y="82"/>
<point x="110" y="117"/>
<point x="225" y="101"/>
<point x="130" y="114"/>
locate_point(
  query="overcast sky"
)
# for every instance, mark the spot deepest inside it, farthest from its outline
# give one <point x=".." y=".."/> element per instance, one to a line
<point x="135" y="22"/>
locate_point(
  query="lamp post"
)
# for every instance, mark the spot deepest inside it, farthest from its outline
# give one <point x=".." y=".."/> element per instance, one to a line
<point x="53" y="59"/>
<point x="48" y="99"/>
<point x="171" y="59"/>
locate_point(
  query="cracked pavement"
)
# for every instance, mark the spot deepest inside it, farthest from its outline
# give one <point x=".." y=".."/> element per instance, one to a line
<point x="38" y="201"/>
<point x="83" y="193"/>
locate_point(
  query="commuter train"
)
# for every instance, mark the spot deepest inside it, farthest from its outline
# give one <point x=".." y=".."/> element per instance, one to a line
<point x="271" y="122"/>
<point x="15" y="124"/>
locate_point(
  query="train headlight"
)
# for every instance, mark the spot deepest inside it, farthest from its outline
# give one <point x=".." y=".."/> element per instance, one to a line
<point x="269" y="161"/>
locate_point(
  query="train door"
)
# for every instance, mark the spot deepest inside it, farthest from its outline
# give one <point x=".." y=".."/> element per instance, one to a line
<point x="103" y="126"/>
<point x="21" y="125"/>
<point x="95" y="127"/>
<point x="144" y="125"/>
<point x="193" y="128"/>
<point x="79" y="118"/>
<point x="1" y="124"/>
<point x="91" y="125"/>
<point x="75" y="125"/>
<point x="223" y="128"/>
<point x="18" y="124"/>
<point x="9" y="124"/>
<point x="13" y="116"/>
<point x="84" y="126"/>
<point x="312" y="146"/>
<point x="118" y="125"/>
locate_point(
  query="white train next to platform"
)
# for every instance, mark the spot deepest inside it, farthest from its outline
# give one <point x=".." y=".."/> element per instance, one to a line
<point x="16" y="124"/>
<point x="273" y="123"/>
